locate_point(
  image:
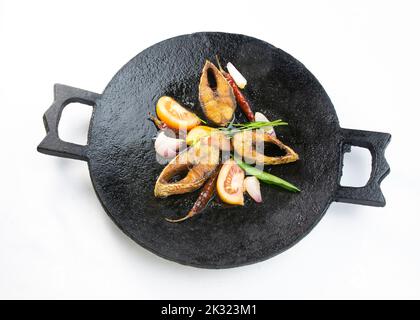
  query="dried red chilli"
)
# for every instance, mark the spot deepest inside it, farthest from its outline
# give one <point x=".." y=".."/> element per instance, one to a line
<point x="243" y="103"/>
<point x="203" y="199"/>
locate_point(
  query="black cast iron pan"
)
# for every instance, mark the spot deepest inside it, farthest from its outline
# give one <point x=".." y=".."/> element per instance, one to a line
<point x="123" y="166"/>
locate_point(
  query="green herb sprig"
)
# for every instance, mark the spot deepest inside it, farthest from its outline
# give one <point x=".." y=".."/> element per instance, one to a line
<point x="238" y="127"/>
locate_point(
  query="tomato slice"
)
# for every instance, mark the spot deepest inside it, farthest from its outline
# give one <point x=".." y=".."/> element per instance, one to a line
<point x="175" y="115"/>
<point x="230" y="183"/>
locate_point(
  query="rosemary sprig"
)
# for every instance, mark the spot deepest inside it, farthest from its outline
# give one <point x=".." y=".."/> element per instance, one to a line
<point x="238" y="127"/>
<point x="260" y="124"/>
<point x="202" y="121"/>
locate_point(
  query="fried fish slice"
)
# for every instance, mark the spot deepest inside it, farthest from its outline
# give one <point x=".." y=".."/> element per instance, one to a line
<point x="199" y="161"/>
<point x="216" y="95"/>
<point x="249" y="145"/>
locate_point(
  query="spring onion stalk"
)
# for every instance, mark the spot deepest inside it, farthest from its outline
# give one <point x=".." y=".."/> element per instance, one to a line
<point x="267" y="177"/>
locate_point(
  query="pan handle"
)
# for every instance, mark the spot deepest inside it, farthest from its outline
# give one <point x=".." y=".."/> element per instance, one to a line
<point x="52" y="144"/>
<point x="376" y="142"/>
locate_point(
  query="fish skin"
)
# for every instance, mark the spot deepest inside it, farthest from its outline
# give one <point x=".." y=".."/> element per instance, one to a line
<point x="242" y="143"/>
<point x="218" y="105"/>
<point x="202" y="162"/>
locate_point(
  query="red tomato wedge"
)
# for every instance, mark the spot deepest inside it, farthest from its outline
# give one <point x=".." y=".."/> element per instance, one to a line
<point x="230" y="183"/>
<point x="175" y="115"/>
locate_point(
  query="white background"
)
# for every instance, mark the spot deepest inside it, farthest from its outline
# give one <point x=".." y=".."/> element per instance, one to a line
<point x="57" y="242"/>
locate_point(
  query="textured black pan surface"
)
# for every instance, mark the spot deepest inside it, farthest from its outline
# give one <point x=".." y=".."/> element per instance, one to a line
<point x="123" y="166"/>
